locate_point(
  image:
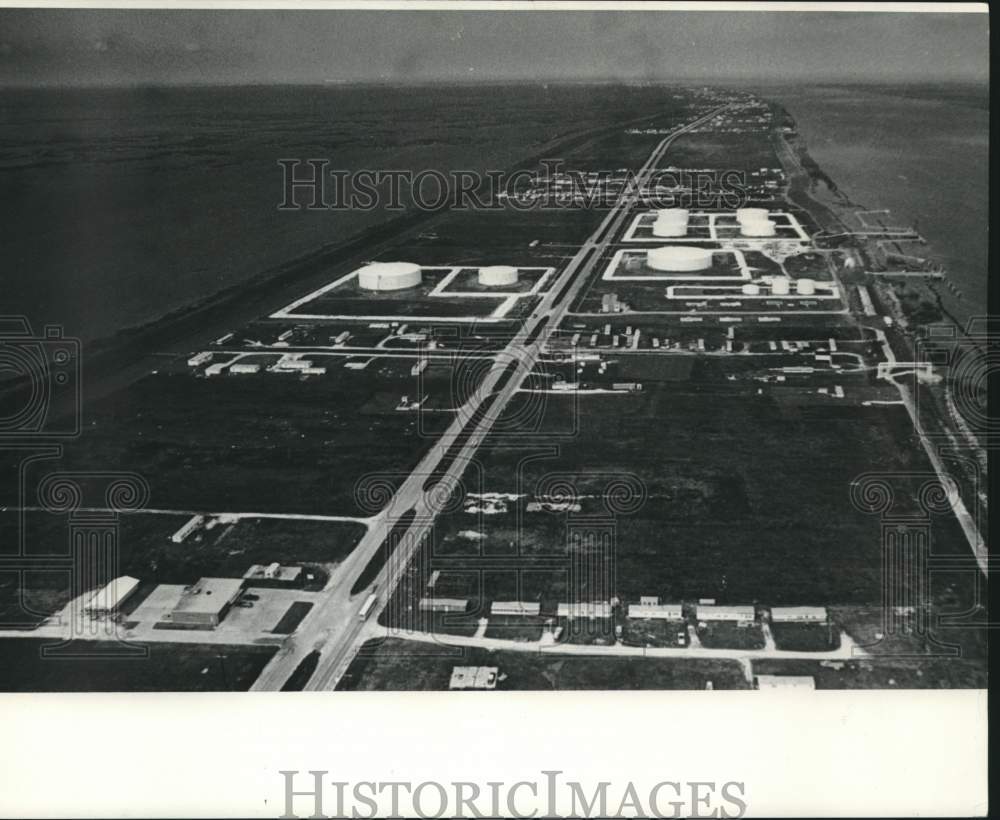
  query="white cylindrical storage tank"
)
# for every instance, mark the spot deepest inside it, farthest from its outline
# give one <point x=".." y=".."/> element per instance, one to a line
<point x="751" y="214"/>
<point x="671" y="222"/>
<point x="750" y="289"/>
<point x="805" y="287"/>
<point x="670" y="227"/>
<point x="389" y="276"/>
<point x="679" y="214"/>
<point x="679" y="258"/>
<point x="779" y="287"/>
<point x="498" y="275"/>
<point x="757" y="227"/>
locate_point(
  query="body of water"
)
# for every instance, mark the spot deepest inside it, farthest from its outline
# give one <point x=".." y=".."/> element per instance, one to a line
<point x="923" y="153"/>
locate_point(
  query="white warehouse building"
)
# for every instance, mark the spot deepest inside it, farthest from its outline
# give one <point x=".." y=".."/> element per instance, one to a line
<point x="798" y="614"/>
<point x="389" y="276"/>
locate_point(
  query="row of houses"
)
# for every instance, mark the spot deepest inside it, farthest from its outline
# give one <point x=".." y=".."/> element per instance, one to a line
<point x="648" y="607"/>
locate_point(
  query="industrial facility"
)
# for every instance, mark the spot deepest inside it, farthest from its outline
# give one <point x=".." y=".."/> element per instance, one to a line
<point x="679" y="258"/>
<point x="663" y="612"/>
<point x="108" y="598"/>
<point x="798" y="614"/>
<point x="382" y="276"/>
<point x="495" y="276"/>
<point x="205" y="603"/>
<point x="742" y="615"/>
<point x="593" y="609"/>
<point x="273" y="574"/>
<point x="515" y="608"/>
<point x="443" y="604"/>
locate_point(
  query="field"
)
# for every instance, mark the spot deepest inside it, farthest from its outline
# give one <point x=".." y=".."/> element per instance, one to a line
<point x="884" y="673"/>
<point x="169" y="668"/>
<point x="260" y="443"/>
<point x="400" y="665"/>
<point x="805" y="637"/>
<point x="708" y="492"/>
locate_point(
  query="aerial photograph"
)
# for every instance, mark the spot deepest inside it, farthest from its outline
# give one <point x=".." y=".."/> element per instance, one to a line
<point x="368" y="350"/>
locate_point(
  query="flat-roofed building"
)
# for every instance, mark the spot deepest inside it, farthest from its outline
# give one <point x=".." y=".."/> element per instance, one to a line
<point x="649" y="600"/>
<point x="738" y="614"/>
<point x="111" y="596"/>
<point x="664" y="612"/>
<point x="444" y="604"/>
<point x="473" y="677"/>
<point x="798" y="614"/>
<point x="273" y="574"/>
<point x="189" y="527"/>
<point x="591" y="609"/>
<point x="515" y="608"/>
<point x="803" y="682"/>
<point x="206" y="602"/>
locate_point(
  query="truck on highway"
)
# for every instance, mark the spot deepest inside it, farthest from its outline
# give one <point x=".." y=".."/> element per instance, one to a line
<point x="367" y="607"/>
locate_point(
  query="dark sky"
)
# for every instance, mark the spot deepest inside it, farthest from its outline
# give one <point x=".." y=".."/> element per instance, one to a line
<point x="116" y="47"/>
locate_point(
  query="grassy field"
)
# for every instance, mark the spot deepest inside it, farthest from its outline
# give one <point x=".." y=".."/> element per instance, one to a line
<point x="292" y="618"/>
<point x="730" y="636"/>
<point x="401" y="665"/>
<point x="265" y="442"/>
<point x="805" y="637"/>
<point x="884" y="673"/>
<point x="742" y="499"/>
<point x="169" y="668"/>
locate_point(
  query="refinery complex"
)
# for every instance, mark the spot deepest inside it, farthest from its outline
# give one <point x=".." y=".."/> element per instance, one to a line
<point x="653" y="444"/>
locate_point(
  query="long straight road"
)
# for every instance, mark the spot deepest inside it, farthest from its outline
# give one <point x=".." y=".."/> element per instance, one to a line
<point x="335" y="628"/>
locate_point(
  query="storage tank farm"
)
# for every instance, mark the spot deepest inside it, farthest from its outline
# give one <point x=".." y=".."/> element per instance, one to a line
<point x="779" y="286"/>
<point x="678" y="258"/>
<point x="671" y="222"/>
<point x="805" y="287"/>
<point x="494" y="276"/>
<point x="383" y="276"/>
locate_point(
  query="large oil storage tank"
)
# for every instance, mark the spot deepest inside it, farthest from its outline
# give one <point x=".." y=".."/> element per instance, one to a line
<point x="750" y="289"/>
<point x="679" y="258"/>
<point x="495" y="276"/>
<point x="779" y="287"/>
<point x="389" y="276"/>
<point x="805" y="287"/>
<point x="757" y="227"/>
<point x="681" y="214"/>
<point x="751" y="214"/>
<point x="671" y="222"/>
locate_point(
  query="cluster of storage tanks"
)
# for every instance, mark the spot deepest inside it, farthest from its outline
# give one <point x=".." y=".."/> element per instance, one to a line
<point x="755" y="222"/>
<point x="673" y="222"/>
<point x="780" y="286"/>
<point x="387" y="276"/>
